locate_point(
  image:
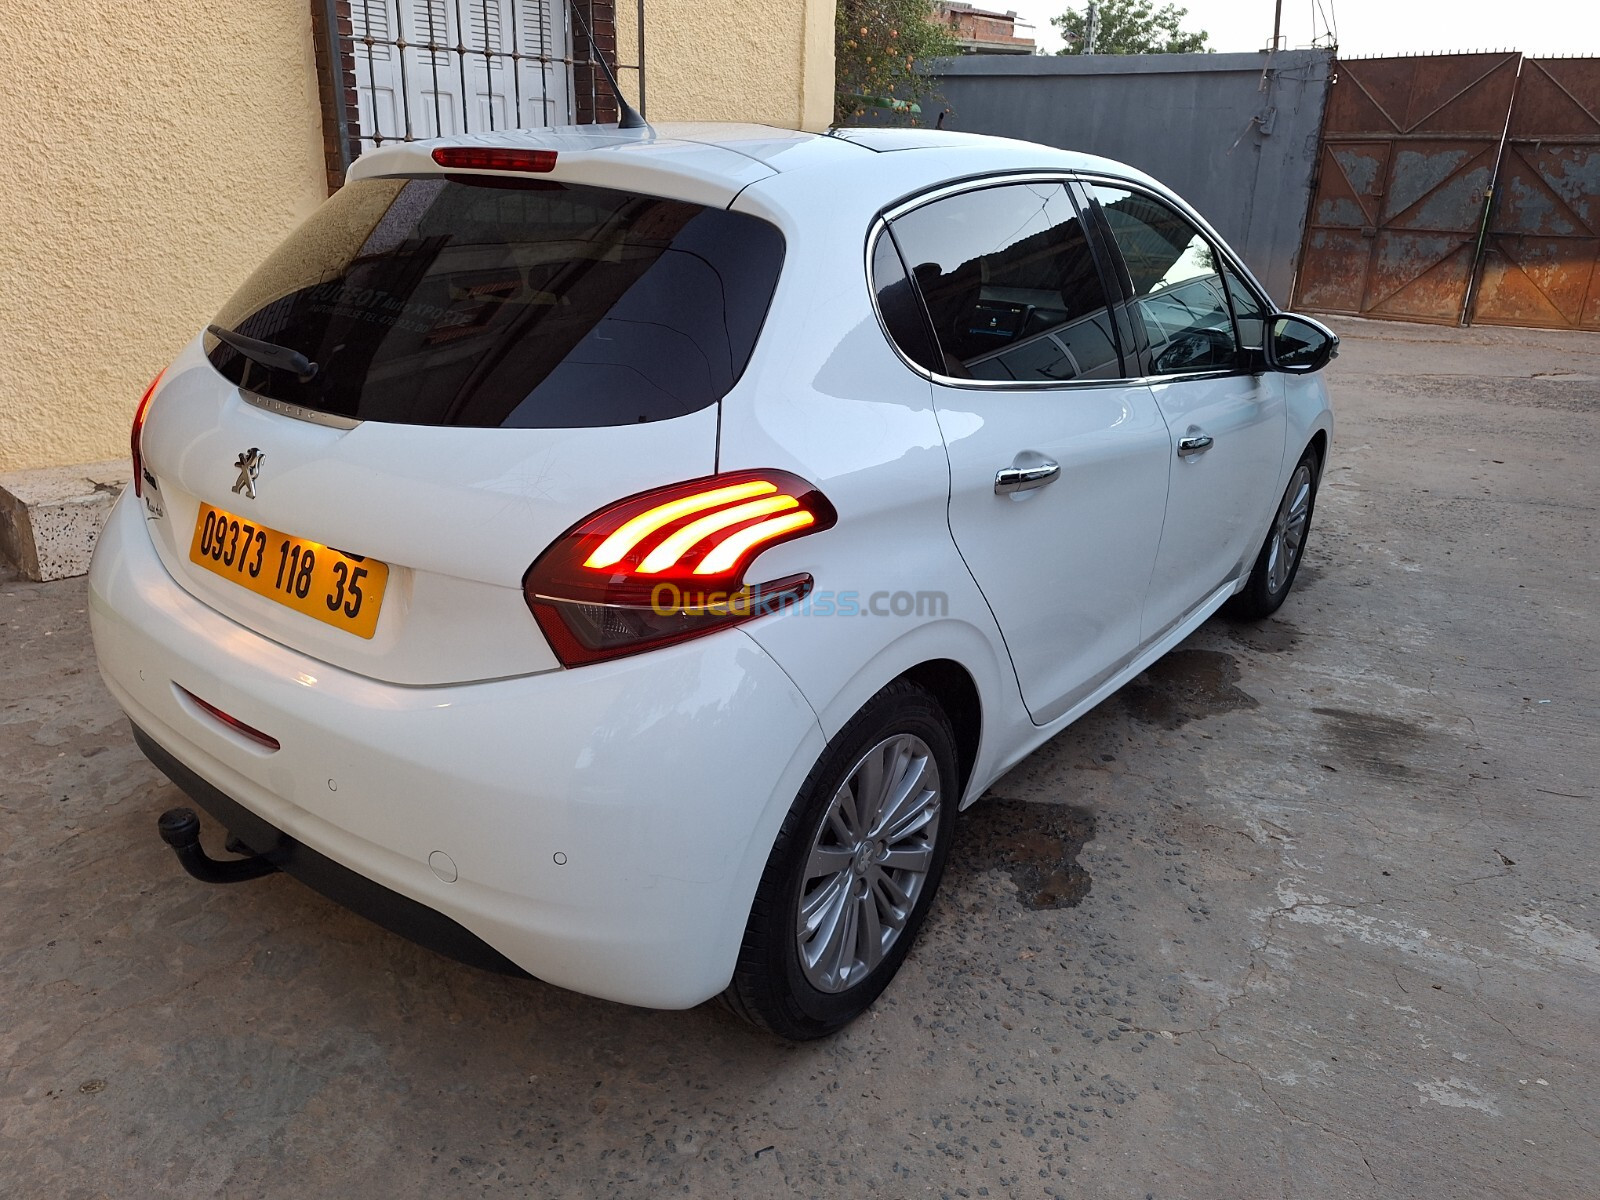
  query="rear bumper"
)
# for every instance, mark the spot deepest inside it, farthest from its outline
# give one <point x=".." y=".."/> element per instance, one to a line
<point x="396" y="913"/>
<point x="606" y="826"/>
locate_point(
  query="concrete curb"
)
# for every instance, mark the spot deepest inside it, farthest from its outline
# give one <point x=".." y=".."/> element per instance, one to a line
<point x="50" y="519"/>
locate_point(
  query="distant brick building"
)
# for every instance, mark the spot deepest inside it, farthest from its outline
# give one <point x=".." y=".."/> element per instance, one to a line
<point x="983" y="32"/>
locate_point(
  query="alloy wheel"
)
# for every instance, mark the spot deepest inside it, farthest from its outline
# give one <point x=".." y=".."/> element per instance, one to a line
<point x="868" y="862"/>
<point x="1289" y="529"/>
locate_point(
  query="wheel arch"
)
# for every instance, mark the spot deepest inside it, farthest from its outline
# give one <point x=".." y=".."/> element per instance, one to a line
<point x="953" y="687"/>
<point x="1318" y="443"/>
<point x="964" y="666"/>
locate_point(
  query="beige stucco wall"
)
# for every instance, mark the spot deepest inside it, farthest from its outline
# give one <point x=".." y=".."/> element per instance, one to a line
<point x="769" y="61"/>
<point x="158" y="152"/>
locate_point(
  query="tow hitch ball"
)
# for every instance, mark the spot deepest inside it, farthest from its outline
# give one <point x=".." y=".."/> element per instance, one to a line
<point x="180" y="829"/>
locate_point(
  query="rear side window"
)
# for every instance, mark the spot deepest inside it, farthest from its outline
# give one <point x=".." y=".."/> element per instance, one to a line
<point x="486" y="302"/>
<point x="1010" y="285"/>
<point x="902" y="310"/>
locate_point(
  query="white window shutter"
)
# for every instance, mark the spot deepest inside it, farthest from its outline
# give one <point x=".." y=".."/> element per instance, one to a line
<point x="512" y="74"/>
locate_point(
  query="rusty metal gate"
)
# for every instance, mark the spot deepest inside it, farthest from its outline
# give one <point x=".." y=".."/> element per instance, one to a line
<point x="1541" y="261"/>
<point x="1409" y="147"/>
<point x="1456" y="188"/>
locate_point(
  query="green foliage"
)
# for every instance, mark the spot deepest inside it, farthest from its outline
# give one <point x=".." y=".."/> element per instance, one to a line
<point x="1131" y="27"/>
<point x="878" y="45"/>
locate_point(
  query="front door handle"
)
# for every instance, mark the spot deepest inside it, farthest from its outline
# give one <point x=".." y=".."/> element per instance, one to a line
<point x="1024" y="479"/>
<point x="1195" y="443"/>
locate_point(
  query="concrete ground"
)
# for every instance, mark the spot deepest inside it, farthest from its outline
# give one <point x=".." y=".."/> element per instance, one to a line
<point x="1308" y="911"/>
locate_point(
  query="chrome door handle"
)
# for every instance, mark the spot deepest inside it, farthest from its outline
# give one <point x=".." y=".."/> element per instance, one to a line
<point x="1024" y="479"/>
<point x="1194" y="444"/>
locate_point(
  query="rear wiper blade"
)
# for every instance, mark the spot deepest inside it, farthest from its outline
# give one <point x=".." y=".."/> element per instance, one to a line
<point x="268" y="354"/>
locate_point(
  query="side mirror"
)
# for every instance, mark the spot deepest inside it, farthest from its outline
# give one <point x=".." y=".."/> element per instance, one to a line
<point x="1299" y="345"/>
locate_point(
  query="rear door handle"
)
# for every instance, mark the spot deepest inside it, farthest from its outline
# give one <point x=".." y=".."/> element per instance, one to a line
<point x="1024" y="479"/>
<point x="1196" y="443"/>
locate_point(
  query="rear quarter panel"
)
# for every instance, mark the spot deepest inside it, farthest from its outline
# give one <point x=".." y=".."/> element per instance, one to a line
<point x="826" y="396"/>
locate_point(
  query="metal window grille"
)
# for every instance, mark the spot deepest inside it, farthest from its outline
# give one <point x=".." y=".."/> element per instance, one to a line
<point x="399" y="70"/>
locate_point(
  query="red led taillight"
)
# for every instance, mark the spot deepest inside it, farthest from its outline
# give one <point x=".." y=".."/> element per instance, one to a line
<point x="670" y="564"/>
<point x="486" y="158"/>
<point x="138" y="429"/>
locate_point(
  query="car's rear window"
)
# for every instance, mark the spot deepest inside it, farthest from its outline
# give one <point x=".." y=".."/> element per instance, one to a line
<point x="486" y="302"/>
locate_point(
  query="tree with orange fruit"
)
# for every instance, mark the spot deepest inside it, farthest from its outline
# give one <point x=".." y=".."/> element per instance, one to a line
<point x="878" y="48"/>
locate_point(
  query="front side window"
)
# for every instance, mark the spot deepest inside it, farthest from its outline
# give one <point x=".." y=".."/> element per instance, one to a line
<point x="1248" y="312"/>
<point x="1179" y="295"/>
<point x="1010" y="285"/>
<point x="487" y="302"/>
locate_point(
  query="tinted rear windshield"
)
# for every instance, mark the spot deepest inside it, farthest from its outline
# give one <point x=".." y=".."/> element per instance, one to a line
<point x="491" y="302"/>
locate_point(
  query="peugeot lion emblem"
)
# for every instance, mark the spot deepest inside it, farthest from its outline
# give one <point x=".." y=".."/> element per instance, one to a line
<point x="249" y="465"/>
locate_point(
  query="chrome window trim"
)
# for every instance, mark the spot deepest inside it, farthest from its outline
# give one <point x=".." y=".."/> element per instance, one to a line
<point x="284" y="409"/>
<point x="975" y="183"/>
<point x="1181" y="376"/>
<point x="881" y="222"/>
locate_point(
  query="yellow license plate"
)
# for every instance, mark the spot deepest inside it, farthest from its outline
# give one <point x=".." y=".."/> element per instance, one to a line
<point x="342" y="590"/>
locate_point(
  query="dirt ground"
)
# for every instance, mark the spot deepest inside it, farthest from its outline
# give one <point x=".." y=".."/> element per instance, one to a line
<point x="1310" y="910"/>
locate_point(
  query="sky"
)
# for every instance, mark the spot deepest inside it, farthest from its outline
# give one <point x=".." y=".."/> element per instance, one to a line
<point x="1369" y="27"/>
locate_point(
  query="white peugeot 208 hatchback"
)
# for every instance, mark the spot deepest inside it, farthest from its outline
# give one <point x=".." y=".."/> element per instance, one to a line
<point x="617" y="555"/>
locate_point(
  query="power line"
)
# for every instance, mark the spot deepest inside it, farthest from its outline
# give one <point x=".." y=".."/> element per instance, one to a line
<point x="1329" y="19"/>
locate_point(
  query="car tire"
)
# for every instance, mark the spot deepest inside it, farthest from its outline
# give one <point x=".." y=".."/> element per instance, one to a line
<point x="853" y="870"/>
<point x="1279" y="560"/>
